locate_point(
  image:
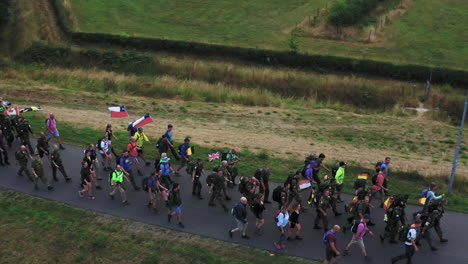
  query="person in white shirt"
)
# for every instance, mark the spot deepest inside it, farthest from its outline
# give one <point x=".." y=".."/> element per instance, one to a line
<point x="282" y="224"/>
<point x="410" y="244"/>
<point x="105" y="153"/>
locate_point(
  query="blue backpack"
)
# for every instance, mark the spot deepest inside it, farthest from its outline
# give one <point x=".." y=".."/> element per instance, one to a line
<point x="325" y="238"/>
<point x="165" y="167"/>
<point x="424" y="192"/>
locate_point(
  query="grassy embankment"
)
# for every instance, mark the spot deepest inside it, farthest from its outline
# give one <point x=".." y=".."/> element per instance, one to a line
<point x="429" y="33"/>
<point x="407" y="182"/>
<point x="35" y="230"/>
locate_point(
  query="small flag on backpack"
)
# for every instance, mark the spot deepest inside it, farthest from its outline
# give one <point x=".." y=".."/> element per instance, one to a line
<point x="422" y="200"/>
<point x="11" y="111"/>
<point x="213" y="156"/>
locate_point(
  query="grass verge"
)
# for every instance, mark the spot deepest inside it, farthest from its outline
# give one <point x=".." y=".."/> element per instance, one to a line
<point x="51" y="232"/>
<point x="402" y="182"/>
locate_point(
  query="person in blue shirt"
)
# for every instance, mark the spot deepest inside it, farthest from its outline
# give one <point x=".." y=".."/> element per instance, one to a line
<point x="168" y="134"/>
<point x="184" y="154"/>
<point x="166" y="169"/>
<point x="385" y="166"/>
<point x="126" y="165"/>
<point x="155" y="187"/>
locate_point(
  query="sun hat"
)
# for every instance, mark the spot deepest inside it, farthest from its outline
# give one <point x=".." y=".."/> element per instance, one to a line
<point x="164" y="158"/>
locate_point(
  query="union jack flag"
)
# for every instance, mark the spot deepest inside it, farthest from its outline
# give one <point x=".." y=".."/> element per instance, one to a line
<point x="213" y="156"/>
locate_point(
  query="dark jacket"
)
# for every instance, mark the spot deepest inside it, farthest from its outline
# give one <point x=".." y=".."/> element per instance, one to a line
<point x="240" y="212"/>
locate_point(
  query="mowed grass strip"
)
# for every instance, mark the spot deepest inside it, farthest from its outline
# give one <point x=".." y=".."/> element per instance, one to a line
<point x="431" y="32"/>
<point x="403" y="182"/>
<point x="35" y="230"/>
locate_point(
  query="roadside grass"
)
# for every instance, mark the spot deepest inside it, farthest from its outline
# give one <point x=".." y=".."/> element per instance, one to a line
<point x="35" y="230"/>
<point x="266" y="25"/>
<point x="404" y="182"/>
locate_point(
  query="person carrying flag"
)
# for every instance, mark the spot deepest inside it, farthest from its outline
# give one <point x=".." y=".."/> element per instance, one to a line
<point x="184" y="153"/>
<point x="140" y="139"/>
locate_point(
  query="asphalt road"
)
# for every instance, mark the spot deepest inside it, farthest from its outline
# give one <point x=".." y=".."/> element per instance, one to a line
<point x="213" y="222"/>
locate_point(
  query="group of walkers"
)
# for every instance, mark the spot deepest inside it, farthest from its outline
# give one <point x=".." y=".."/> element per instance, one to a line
<point x="101" y="162"/>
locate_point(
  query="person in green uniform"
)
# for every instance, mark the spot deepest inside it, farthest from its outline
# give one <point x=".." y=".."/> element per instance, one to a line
<point x="263" y="176"/>
<point x="22" y="157"/>
<point x="196" y="175"/>
<point x="24" y="130"/>
<point x="323" y="205"/>
<point x="38" y="172"/>
<point x="232" y="159"/>
<point x="56" y="163"/>
<point x="294" y="191"/>
<point x="216" y="182"/>
<point x="395" y="219"/>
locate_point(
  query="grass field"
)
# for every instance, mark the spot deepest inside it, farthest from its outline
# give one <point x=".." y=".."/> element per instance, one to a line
<point x="51" y="232"/>
<point x="431" y="32"/>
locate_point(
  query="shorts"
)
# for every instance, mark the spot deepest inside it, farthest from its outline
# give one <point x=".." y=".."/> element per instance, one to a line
<point x="140" y="151"/>
<point x="293" y="224"/>
<point x="330" y="254"/>
<point x="240" y="224"/>
<point x="258" y="215"/>
<point x="339" y="187"/>
<point x="133" y="160"/>
<point x="360" y="242"/>
<point x="177" y="209"/>
<point x="55" y="134"/>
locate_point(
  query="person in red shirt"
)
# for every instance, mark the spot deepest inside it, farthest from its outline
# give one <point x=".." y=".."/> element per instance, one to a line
<point x="331" y="248"/>
<point x="378" y="186"/>
<point x="132" y="149"/>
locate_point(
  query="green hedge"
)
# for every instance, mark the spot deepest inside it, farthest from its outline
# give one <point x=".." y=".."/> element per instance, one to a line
<point x="349" y="12"/>
<point x="127" y="62"/>
<point x="319" y="63"/>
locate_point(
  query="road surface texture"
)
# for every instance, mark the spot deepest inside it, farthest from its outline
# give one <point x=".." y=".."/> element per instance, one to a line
<point x="200" y="219"/>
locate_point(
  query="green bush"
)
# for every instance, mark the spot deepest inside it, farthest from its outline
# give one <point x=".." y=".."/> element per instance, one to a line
<point x="350" y="12"/>
<point x="127" y="61"/>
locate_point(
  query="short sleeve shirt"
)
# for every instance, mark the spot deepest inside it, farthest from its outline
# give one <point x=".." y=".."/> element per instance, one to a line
<point x="331" y="239"/>
<point x="411" y="234"/>
<point x="153" y="184"/>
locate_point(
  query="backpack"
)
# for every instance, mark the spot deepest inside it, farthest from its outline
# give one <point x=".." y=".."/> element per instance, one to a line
<point x="374" y="179"/>
<point x="110" y="177"/>
<point x="48" y="120"/>
<point x="289" y="179"/>
<point x="144" y="183"/>
<point x="233" y="210"/>
<point x="334" y="170"/>
<point x="277" y="194"/>
<point x="180" y="148"/>
<point x="403" y="233"/>
<point x="98" y="144"/>
<point x="224" y="155"/>
<point x="424" y="192"/>
<point x="243" y="184"/>
<point x="276" y="215"/>
<point x="355" y="226"/>
<point x="359" y="183"/>
<point x="378" y="165"/>
<point x="310" y="158"/>
<point x="325" y="238"/>
<point x="166" y="169"/>
<point x="191" y="166"/>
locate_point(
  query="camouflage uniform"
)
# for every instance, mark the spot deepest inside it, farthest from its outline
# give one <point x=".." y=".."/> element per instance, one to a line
<point x="23" y="133"/>
<point x="218" y="185"/>
<point x="58" y="161"/>
<point x="7" y="129"/>
<point x="232" y="169"/>
<point x="22" y="157"/>
<point x="197" y="186"/>
<point x="394" y="221"/>
<point x="226" y="174"/>
<point x="294" y="190"/>
<point x="324" y="204"/>
<point x="263" y="177"/>
<point x="38" y="168"/>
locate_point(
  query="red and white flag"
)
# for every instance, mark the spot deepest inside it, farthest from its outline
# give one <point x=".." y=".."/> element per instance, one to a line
<point x="146" y="119"/>
<point x="11" y="111"/>
<point x="213" y="156"/>
<point x="118" y="111"/>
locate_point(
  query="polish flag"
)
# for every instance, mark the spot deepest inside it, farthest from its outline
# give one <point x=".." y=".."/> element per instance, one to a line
<point x="146" y="119"/>
<point x="118" y="111"/>
<point x="11" y="111"/>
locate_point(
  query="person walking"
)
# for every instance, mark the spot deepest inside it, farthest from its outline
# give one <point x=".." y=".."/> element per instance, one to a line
<point x="378" y="186"/>
<point x="282" y="223"/>
<point x="183" y="149"/>
<point x="92" y="165"/>
<point x="56" y="163"/>
<point x="166" y="170"/>
<point x="86" y="181"/>
<point x="385" y="165"/>
<point x="358" y="236"/>
<point x="323" y="205"/>
<point x="38" y="172"/>
<point x="140" y="138"/>
<point x="232" y="160"/>
<point x="340" y="174"/>
<point x="197" y="172"/>
<point x="410" y="244"/>
<point x="294" y="222"/>
<point x="105" y="153"/>
<point x="118" y="176"/>
<point x="110" y="136"/>
<point x="3" y="151"/>
<point x="175" y="204"/>
<point x="42" y="146"/>
<point x="331" y="245"/>
<point x="132" y="149"/>
<point x="126" y="165"/>
<point x="263" y="176"/>
<point x="239" y="211"/>
<point x="51" y="124"/>
<point x="24" y="129"/>
<point x="22" y="157"/>
<point x="216" y="182"/>
<point x="155" y="187"/>
<point x="258" y="207"/>
<point x="169" y="134"/>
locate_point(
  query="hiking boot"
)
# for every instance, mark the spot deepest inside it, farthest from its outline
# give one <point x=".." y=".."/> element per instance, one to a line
<point x="36" y="187"/>
<point x="230" y="233"/>
<point x="148" y="163"/>
<point x="7" y="163"/>
<point x="55" y="179"/>
<point x="245" y="237"/>
<point x="433" y="249"/>
<point x="267" y="202"/>
<point x="344" y="229"/>
<point x="50" y="188"/>
<point x="289" y="239"/>
<point x="193" y="193"/>
<point x="111" y="196"/>
<point x="200" y="197"/>
<point x="339" y="201"/>
<point x="227" y="198"/>
<point x="125" y="202"/>
<point x="317" y="227"/>
<point x="98" y="187"/>
<point x="61" y="147"/>
<point x="443" y="240"/>
<point x="278" y="246"/>
<point x="337" y="214"/>
<point x="345" y="253"/>
<point x="393" y="242"/>
<point x="298" y="238"/>
<point x="169" y="217"/>
<point x="67" y="179"/>
<point x="136" y="188"/>
<point x="181" y="225"/>
<point x="19" y="174"/>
